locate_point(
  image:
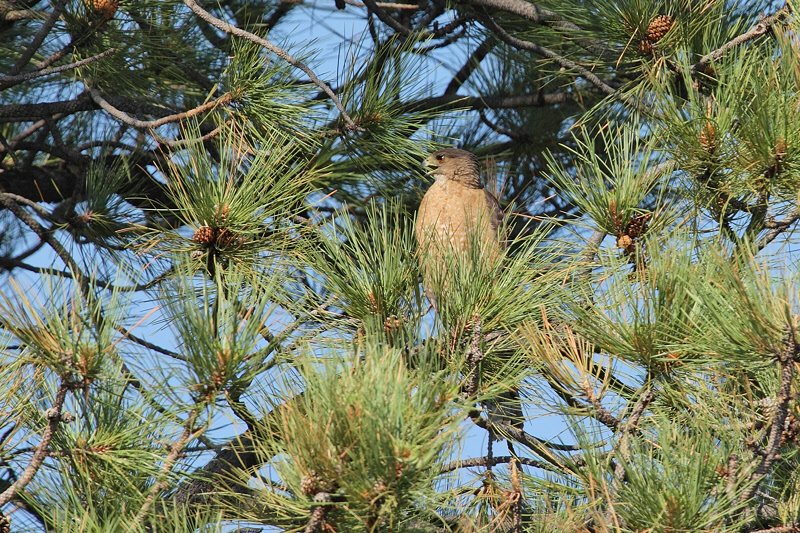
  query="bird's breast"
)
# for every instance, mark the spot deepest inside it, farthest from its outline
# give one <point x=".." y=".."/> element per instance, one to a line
<point x="454" y="214"/>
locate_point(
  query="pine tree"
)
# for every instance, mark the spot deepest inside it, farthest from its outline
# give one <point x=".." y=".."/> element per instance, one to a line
<point x="212" y="315"/>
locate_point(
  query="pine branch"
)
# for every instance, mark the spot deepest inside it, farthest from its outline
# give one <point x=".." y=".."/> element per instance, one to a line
<point x="53" y="415"/>
<point x="474" y="356"/>
<point x="283" y="54"/>
<point x="543" y="16"/>
<point x="764" y="25"/>
<point x="38" y="39"/>
<point x="545" y="52"/>
<point x="8" y="81"/>
<point x="150" y="124"/>
<point x="193" y="74"/>
<point x="787" y="358"/>
<point x="493" y="461"/>
<point x="188" y="434"/>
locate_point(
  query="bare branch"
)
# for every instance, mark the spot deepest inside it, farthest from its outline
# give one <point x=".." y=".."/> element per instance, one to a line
<point x="386" y="19"/>
<point x="45" y="236"/>
<point x="496" y="460"/>
<point x="601" y="413"/>
<point x="776" y="227"/>
<point x="543" y="16"/>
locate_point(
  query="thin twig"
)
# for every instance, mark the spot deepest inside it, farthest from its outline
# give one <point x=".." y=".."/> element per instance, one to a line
<point x="187" y="142"/>
<point x="541" y="447"/>
<point x="38" y="39"/>
<point x="54" y="419"/>
<point x="764" y="25"/>
<point x="495" y="460"/>
<point x="545" y="52"/>
<point x="150" y="124"/>
<point x="280" y="52"/>
<point x="45" y="236"/>
<point x="7" y="81"/>
<point x="169" y="463"/>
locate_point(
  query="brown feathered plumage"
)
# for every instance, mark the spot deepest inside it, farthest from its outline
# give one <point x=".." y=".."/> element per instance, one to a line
<point x="457" y="208"/>
<point x="457" y="211"/>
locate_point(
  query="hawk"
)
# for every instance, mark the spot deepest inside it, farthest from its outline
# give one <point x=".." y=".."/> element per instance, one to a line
<point x="457" y="213"/>
<point x="457" y="210"/>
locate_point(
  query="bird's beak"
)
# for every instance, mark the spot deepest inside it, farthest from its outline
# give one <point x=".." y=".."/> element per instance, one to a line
<point x="430" y="165"/>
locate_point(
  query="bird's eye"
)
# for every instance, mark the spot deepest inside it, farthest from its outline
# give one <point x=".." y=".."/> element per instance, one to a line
<point x="440" y="157"/>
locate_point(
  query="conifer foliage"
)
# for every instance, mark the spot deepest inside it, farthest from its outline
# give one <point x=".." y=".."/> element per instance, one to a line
<point x="212" y="315"/>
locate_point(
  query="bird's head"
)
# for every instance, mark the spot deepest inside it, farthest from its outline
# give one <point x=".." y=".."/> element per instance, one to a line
<point x="455" y="164"/>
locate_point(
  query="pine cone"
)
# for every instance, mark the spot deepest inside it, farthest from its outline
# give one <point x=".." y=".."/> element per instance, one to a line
<point x="708" y="137"/>
<point x="646" y="47"/>
<point x="659" y="27"/>
<point x="769" y="406"/>
<point x="311" y="483"/>
<point x="205" y="235"/>
<point x="5" y="523"/>
<point x="105" y="8"/>
<point x="625" y="242"/>
<point x="393" y="323"/>
<point x="226" y="238"/>
<point x="638" y="225"/>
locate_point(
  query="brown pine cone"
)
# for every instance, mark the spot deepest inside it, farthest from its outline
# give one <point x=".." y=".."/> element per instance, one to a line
<point x="205" y="235"/>
<point x="105" y="8"/>
<point x="638" y="225"/>
<point x="659" y="27"/>
<point x="625" y="242"/>
<point x="646" y="47"/>
<point x="311" y="483"/>
<point x="227" y="238"/>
